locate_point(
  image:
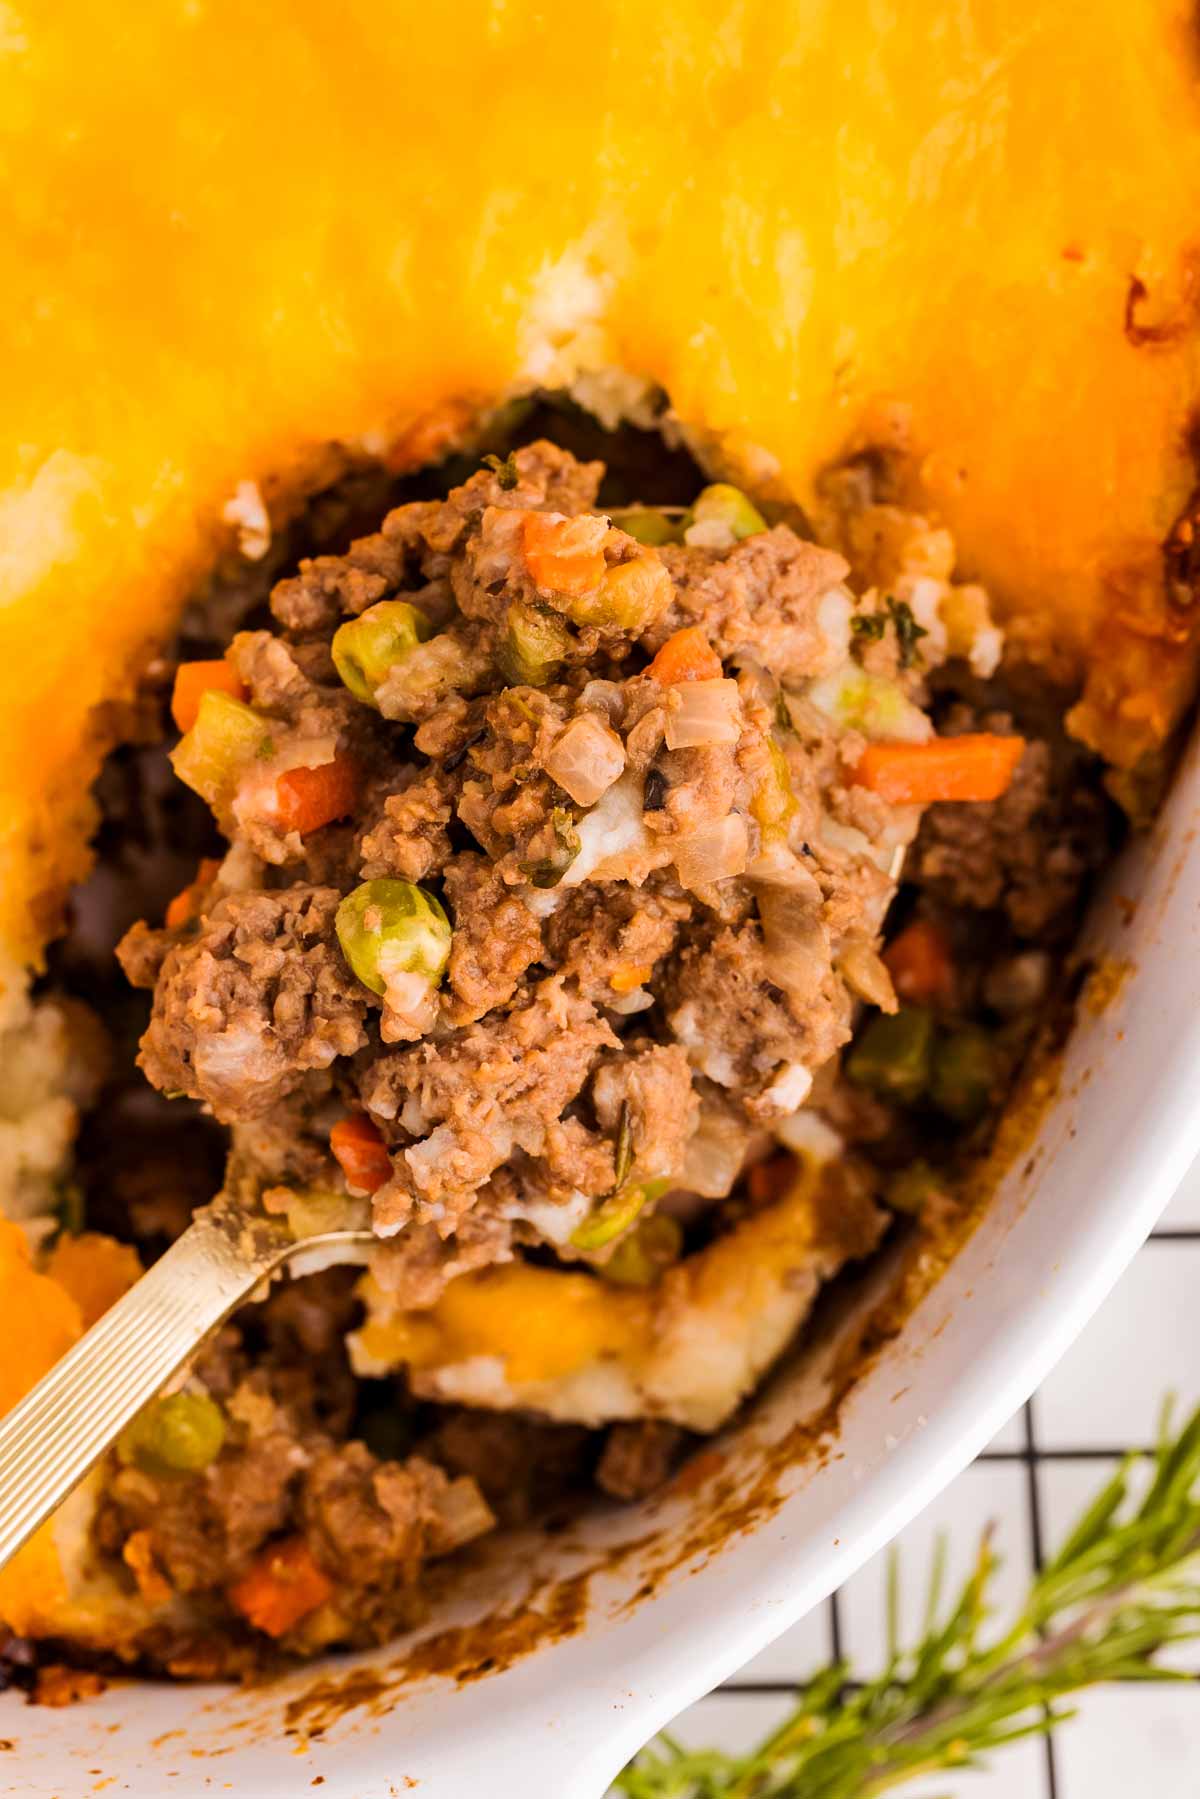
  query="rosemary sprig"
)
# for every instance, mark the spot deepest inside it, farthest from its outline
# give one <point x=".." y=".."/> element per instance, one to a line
<point x="1124" y="1585"/>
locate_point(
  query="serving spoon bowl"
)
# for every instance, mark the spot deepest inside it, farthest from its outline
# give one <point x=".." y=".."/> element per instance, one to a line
<point x="64" y="1424"/>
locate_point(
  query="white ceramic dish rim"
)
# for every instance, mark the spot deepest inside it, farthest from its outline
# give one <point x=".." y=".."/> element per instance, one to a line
<point x="562" y="1721"/>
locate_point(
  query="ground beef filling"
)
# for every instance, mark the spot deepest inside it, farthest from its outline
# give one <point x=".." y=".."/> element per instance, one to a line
<point x="598" y="836"/>
<point x="662" y="893"/>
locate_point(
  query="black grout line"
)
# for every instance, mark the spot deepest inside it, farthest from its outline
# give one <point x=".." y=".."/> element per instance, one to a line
<point x="835" y="1626"/>
<point x="1094" y="1453"/>
<point x="1037" y="1539"/>
<point x="771" y="1689"/>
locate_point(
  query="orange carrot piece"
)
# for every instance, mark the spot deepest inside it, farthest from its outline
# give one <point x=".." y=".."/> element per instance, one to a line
<point x="687" y="656"/>
<point x="282" y="1585"/>
<point x="186" y="905"/>
<point x="564" y="555"/>
<point x="361" y="1152"/>
<point x="312" y="797"/>
<point x="976" y="767"/>
<point x="193" y="680"/>
<point x="629" y="976"/>
<point x="918" y="960"/>
<point x="770" y="1180"/>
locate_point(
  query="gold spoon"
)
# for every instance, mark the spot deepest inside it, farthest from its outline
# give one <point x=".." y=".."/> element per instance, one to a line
<point x="62" y="1427"/>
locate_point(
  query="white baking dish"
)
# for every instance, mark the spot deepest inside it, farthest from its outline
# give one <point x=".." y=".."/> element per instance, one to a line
<point x="561" y="1719"/>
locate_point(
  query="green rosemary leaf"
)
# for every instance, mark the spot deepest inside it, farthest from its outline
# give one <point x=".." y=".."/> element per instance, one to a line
<point x="1124" y="1585"/>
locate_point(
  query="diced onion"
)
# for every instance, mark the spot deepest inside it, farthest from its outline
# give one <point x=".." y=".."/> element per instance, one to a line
<point x="789" y="1090"/>
<point x="640" y="999"/>
<point x="809" y="1135"/>
<point x="701" y="713"/>
<point x="462" y="1514"/>
<point x="603" y="696"/>
<point x="865" y="974"/>
<point x="797" y="947"/>
<point x="587" y="759"/>
<point x="713" y="1158"/>
<point x="714" y="854"/>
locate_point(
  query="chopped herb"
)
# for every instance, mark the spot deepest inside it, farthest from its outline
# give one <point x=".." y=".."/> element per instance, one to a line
<point x="783" y="718"/>
<point x="908" y="631"/>
<point x="266" y="749"/>
<point x="72" y="1208"/>
<point x="654" y="792"/>
<point x="456" y="757"/>
<point x="624" y="1159"/>
<point x="548" y="871"/>
<point x="507" y="473"/>
<point x="868" y="627"/>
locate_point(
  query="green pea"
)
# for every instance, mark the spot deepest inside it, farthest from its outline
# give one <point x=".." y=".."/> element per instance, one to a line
<point x="892" y="1057"/>
<point x="366" y="648"/>
<point x="533" y="646"/>
<point x="646" y="524"/>
<point x="180" y="1434"/>
<point x="616" y="1213"/>
<point x="911" y="1189"/>
<point x="392" y="928"/>
<point x="639" y="1258"/>
<point x="724" y="505"/>
<point x="963" y="1076"/>
<point x="226" y="736"/>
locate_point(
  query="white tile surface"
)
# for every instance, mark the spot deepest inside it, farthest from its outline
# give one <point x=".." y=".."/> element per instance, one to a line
<point x="1128" y="1742"/>
<point x="1018" y="1771"/>
<point x="1183" y="1213"/>
<point x="1144" y="1341"/>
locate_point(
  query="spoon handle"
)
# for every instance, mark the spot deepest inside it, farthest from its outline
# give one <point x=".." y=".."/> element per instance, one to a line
<point x="62" y="1427"/>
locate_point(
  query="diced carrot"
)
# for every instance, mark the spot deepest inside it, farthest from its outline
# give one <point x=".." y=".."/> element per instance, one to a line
<point x="282" y="1585"/>
<point x="193" y="680"/>
<point x="312" y="797"/>
<point x="770" y="1180"/>
<point x="186" y="905"/>
<point x="629" y="976"/>
<point x="918" y="960"/>
<point x="976" y="767"/>
<point x="361" y="1152"/>
<point x="687" y="656"/>
<point x="564" y="555"/>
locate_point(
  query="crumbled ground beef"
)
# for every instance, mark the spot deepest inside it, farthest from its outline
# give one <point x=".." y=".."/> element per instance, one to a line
<point x="638" y="1458"/>
<point x="248" y="1002"/>
<point x="665" y="899"/>
<point x="1029" y="854"/>
<point x="287" y="1470"/>
<point x="764" y="597"/>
